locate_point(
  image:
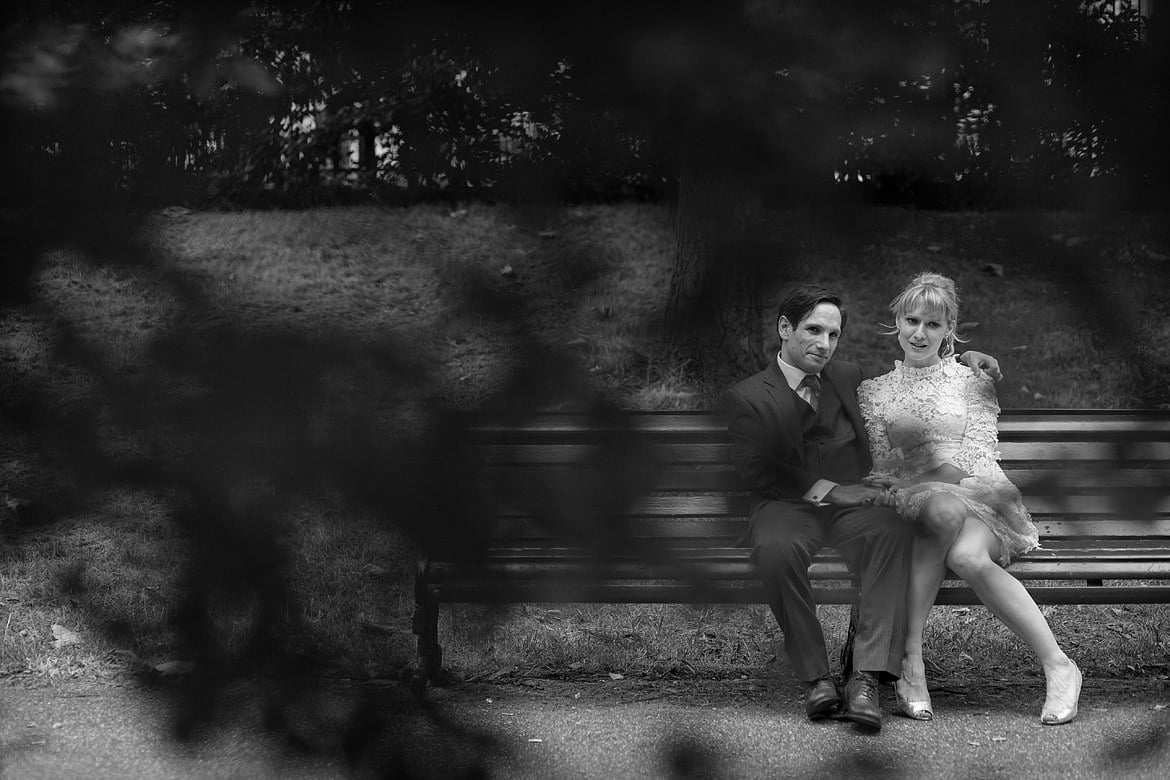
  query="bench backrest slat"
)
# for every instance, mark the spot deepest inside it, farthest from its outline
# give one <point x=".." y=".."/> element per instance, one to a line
<point x="1022" y="423"/>
<point x="712" y="452"/>
<point x="734" y="527"/>
<point x="715" y="504"/>
<point x="1059" y="479"/>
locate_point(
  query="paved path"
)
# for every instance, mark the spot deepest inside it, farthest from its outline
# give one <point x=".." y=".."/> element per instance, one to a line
<point x="553" y="729"/>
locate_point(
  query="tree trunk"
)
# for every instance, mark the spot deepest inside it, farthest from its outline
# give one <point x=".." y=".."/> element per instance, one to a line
<point x="714" y="319"/>
<point x="367" y="153"/>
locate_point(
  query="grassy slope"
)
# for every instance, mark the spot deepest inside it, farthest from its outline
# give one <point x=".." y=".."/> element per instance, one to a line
<point x="596" y="289"/>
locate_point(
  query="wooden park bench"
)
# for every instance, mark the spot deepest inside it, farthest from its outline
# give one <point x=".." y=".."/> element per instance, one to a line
<point x="646" y="508"/>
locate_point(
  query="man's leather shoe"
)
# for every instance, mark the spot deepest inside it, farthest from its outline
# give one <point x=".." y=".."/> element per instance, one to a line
<point x="861" y="700"/>
<point x="821" y="698"/>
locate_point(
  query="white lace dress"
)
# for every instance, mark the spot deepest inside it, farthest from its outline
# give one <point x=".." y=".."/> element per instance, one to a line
<point x="920" y="418"/>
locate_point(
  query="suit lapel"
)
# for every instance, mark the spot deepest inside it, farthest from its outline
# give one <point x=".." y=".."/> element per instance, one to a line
<point x="845" y="389"/>
<point x="781" y="394"/>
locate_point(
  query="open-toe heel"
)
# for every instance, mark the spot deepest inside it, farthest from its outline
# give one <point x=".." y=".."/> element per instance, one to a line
<point x="1060" y="704"/>
<point x="916" y="710"/>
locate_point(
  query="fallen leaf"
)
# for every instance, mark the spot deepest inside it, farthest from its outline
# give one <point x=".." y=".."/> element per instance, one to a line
<point x="508" y="272"/>
<point x="973" y="743"/>
<point x="576" y="664"/>
<point x="999" y="739"/>
<point x="63" y="637"/>
<point x="174" y="668"/>
<point x="966" y="657"/>
<point x="616" y="676"/>
<point x="548" y="234"/>
<point x="934" y="248"/>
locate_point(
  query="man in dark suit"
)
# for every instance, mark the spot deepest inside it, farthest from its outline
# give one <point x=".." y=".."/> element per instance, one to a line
<point x="800" y="446"/>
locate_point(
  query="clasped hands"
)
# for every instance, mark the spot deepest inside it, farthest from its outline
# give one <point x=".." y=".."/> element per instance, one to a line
<point x="873" y="491"/>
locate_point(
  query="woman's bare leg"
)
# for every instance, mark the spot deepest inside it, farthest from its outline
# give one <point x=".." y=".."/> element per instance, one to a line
<point x="973" y="557"/>
<point x="941" y="519"/>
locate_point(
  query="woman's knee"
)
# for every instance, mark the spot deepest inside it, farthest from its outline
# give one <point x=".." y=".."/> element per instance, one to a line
<point x="969" y="560"/>
<point x="942" y="517"/>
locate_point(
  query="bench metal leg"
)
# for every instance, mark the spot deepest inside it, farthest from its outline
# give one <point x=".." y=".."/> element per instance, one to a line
<point x="847" y="648"/>
<point x="426" y="626"/>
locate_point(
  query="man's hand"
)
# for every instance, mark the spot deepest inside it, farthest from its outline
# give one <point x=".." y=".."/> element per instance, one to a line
<point x="882" y="481"/>
<point x="859" y="495"/>
<point x="980" y="364"/>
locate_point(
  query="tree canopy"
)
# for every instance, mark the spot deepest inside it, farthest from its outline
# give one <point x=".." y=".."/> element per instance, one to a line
<point x="968" y="103"/>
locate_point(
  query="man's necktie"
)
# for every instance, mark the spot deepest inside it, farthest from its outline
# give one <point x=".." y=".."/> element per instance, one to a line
<point x="813" y="383"/>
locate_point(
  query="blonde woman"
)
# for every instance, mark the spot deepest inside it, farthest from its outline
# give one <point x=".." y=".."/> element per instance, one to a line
<point x="933" y="436"/>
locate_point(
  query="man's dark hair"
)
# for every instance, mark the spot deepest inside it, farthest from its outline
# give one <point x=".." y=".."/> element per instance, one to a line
<point x="799" y="303"/>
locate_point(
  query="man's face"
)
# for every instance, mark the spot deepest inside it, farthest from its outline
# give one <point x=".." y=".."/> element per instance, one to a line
<point x="810" y="344"/>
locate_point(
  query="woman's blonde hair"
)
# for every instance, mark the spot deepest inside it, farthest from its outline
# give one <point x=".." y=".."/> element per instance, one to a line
<point x="933" y="293"/>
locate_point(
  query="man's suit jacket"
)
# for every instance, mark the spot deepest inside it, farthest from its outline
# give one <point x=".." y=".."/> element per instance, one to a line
<point x="768" y="440"/>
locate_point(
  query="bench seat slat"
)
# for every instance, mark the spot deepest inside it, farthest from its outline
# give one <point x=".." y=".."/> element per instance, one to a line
<point x="744" y="569"/>
<point x="710" y="504"/>
<point x="734" y="528"/>
<point x="1147" y="549"/>
<point x="491" y="591"/>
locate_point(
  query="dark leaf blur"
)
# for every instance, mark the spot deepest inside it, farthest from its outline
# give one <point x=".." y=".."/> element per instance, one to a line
<point x="112" y="111"/>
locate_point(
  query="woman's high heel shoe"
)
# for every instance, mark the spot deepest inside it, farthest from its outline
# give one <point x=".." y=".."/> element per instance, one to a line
<point x="1060" y="704"/>
<point x="917" y="710"/>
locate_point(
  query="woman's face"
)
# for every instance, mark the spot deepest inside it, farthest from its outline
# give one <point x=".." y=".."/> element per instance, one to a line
<point x="921" y="333"/>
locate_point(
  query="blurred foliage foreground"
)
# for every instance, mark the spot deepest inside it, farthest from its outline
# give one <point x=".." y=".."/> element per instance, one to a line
<point x="224" y="411"/>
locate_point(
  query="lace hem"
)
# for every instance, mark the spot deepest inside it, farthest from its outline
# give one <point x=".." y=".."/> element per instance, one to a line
<point x="996" y="502"/>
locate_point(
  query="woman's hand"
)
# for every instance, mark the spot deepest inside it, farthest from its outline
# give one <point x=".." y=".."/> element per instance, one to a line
<point x="883" y="481"/>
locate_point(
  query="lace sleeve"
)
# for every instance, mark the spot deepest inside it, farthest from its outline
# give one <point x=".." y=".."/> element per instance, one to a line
<point x="978" y="451"/>
<point x="885" y="457"/>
